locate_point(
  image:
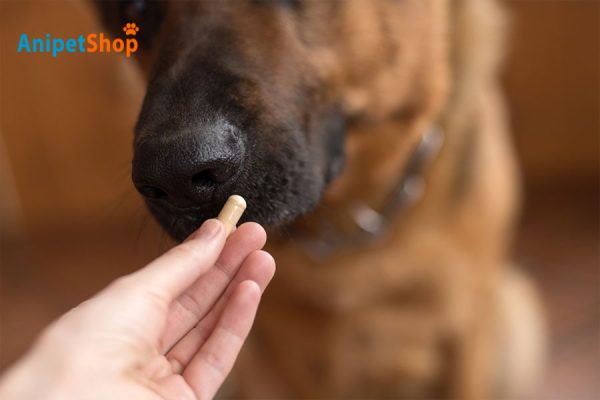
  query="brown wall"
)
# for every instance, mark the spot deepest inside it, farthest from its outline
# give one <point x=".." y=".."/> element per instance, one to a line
<point x="552" y="84"/>
<point x="65" y="122"/>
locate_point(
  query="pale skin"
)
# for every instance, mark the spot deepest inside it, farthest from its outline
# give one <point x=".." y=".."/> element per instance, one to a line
<point x="172" y="330"/>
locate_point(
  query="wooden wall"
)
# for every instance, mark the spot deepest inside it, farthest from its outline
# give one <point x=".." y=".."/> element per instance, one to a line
<point x="66" y="122"/>
<point x="552" y="80"/>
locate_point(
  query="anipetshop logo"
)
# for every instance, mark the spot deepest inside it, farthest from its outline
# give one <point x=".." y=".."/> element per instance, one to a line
<point x="92" y="43"/>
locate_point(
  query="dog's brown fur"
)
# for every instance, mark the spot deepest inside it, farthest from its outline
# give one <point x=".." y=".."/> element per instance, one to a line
<point x="419" y="313"/>
<point x="431" y="309"/>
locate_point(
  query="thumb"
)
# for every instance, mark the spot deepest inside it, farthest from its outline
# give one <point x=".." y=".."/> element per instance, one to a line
<point x="173" y="272"/>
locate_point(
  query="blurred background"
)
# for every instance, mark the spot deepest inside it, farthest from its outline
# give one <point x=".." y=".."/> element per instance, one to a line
<point x="70" y="221"/>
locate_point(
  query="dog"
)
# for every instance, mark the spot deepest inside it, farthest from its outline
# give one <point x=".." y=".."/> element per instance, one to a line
<point x="370" y="138"/>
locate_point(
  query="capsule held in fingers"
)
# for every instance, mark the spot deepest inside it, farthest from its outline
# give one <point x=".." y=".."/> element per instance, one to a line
<point x="232" y="212"/>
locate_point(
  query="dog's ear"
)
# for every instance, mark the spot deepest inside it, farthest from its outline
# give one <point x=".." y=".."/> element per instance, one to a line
<point x="148" y="15"/>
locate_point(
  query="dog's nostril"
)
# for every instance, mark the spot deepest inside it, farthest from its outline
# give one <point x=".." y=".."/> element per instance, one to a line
<point x="204" y="178"/>
<point x="216" y="174"/>
<point x="152" y="192"/>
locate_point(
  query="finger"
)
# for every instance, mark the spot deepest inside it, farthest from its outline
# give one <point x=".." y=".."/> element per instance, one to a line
<point x="213" y="362"/>
<point x="173" y="387"/>
<point x="195" y="302"/>
<point x="169" y="275"/>
<point x="258" y="267"/>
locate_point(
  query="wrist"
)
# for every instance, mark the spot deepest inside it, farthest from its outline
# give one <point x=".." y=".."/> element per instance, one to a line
<point x="36" y="376"/>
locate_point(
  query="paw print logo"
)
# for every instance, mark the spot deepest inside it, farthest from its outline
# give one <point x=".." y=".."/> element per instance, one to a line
<point x="131" y="29"/>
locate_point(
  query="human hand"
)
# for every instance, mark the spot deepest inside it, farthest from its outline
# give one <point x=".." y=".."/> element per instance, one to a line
<point x="171" y="330"/>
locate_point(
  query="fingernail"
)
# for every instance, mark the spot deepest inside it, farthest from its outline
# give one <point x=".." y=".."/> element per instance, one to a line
<point x="209" y="229"/>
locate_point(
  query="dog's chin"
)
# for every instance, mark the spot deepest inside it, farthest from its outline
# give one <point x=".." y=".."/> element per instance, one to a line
<point x="181" y="224"/>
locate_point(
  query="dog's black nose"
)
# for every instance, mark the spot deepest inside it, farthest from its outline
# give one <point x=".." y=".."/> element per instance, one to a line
<point x="186" y="169"/>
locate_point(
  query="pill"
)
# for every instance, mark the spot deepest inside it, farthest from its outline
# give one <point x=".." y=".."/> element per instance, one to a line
<point x="232" y="212"/>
